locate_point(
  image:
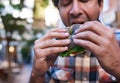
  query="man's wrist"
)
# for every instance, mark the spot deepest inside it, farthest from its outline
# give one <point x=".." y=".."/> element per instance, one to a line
<point x="37" y="73"/>
<point x="37" y="76"/>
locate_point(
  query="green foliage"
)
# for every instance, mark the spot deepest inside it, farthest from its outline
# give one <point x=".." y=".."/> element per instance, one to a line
<point x="38" y="31"/>
<point x="73" y="48"/>
<point x="1" y="7"/>
<point x="10" y="24"/>
<point x="26" y="54"/>
<point x="19" y="6"/>
<point x="30" y="42"/>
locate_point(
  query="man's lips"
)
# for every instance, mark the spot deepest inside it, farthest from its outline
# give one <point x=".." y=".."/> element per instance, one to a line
<point x="77" y="21"/>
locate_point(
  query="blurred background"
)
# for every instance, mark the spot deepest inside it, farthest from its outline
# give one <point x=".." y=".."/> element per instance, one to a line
<point x="24" y="21"/>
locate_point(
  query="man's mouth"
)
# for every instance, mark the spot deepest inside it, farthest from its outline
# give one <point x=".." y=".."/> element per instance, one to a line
<point x="76" y="22"/>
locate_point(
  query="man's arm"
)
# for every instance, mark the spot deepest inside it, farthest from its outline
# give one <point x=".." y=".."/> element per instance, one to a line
<point x="37" y="77"/>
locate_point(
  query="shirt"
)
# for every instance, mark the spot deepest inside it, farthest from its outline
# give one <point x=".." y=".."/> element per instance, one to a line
<point x="82" y="68"/>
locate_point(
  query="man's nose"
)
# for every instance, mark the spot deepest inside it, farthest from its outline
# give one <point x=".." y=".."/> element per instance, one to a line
<point x="75" y="9"/>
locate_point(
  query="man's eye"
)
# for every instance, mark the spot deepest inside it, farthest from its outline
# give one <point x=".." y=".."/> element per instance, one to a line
<point x="84" y="0"/>
<point x="65" y="2"/>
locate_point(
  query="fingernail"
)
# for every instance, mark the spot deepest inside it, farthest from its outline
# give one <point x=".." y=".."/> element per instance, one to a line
<point x="68" y="41"/>
<point x="65" y="29"/>
<point x="66" y="48"/>
<point x="76" y="31"/>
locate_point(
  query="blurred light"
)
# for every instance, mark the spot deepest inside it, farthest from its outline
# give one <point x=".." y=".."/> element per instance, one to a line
<point x="39" y="35"/>
<point x="5" y="2"/>
<point x="5" y="64"/>
<point x="14" y="2"/>
<point x="8" y="10"/>
<point x="27" y="36"/>
<point x="11" y="49"/>
<point x="26" y="13"/>
<point x="1" y="24"/>
<point x="16" y="13"/>
<point x="51" y="15"/>
<point x="30" y="20"/>
<point x="16" y="36"/>
<point x="0" y="20"/>
<point x="1" y="46"/>
<point x="2" y="34"/>
<point x="29" y="3"/>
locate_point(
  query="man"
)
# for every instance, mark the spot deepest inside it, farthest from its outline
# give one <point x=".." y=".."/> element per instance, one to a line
<point x="93" y="35"/>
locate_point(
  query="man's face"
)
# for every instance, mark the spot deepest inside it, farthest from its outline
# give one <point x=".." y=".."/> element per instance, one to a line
<point x="79" y="11"/>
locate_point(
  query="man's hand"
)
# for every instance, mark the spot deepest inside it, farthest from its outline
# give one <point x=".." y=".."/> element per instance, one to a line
<point x="46" y="51"/>
<point x="102" y="42"/>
